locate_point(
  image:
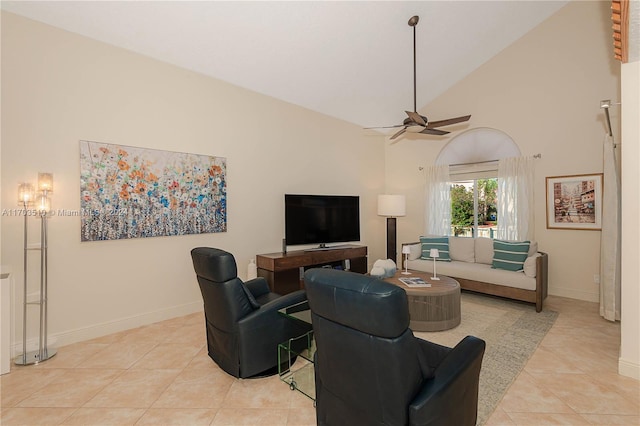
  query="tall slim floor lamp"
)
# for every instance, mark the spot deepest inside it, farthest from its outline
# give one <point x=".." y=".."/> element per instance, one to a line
<point x="391" y="206"/>
<point x="26" y="197"/>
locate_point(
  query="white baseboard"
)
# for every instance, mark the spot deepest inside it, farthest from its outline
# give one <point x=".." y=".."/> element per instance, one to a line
<point x="98" y="330"/>
<point x="572" y="293"/>
<point x="629" y="369"/>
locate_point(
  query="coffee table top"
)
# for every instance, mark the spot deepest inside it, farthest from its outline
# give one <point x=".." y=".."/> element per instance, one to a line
<point x="444" y="285"/>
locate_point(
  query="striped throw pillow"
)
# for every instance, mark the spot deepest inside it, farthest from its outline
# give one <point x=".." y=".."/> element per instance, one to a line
<point x="509" y="255"/>
<point x="440" y="243"/>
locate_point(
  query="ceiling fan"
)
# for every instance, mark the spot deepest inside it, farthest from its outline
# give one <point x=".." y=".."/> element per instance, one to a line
<point x="416" y="123"/>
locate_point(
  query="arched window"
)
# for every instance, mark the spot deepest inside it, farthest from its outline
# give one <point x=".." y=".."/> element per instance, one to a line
<point x="472" y="157"/>
<point x="477" y="149"/>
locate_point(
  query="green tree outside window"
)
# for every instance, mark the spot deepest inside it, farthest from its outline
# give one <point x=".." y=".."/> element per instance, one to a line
<point x="462" y="206"/>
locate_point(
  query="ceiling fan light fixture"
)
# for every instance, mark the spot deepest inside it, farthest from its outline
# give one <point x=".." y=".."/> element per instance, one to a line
<point x="415" y="128"/>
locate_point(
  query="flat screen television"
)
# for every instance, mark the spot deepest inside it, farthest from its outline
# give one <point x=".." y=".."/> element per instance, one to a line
<point x="321" y="219"/>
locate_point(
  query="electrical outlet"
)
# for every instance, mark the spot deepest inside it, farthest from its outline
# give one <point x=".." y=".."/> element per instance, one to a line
<point x="596" y="278"/>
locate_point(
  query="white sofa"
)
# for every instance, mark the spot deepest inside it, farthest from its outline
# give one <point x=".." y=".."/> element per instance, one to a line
<point x="470" y="265"/>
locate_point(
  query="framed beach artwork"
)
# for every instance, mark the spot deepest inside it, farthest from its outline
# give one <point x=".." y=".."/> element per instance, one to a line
<point x="574" y="202"/>
<point x="131" y="192"/>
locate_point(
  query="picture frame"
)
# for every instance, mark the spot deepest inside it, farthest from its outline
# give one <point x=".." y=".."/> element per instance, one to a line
<point x="135" y="192"/>
<point x="574" y="202"/>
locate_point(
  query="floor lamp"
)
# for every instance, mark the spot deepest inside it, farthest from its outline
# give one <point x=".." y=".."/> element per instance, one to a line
<point x="26" y="196"/>
<point x="391" y="206"/>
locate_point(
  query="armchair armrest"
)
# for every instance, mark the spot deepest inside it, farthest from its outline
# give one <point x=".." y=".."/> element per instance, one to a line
<point x="542" y="272"/>
<point x="263" y="329"/>
<point x="431" y="355"/>
<point x="257" y="286"/>
<point x="451" y="396"/>
<point x="271" y="308"/>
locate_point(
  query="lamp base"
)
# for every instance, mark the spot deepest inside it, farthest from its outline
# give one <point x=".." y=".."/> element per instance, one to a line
<point x="34" y="357"/>
<point x="435" y="278"/>
<point x="406" y="273"/>
<point x="391" y="239"/>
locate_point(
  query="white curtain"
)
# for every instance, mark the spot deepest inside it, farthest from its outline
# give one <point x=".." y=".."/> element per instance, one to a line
<point x="610" y="238"/>
<point x="438" y="201"/>
<point x="515" y="199"/>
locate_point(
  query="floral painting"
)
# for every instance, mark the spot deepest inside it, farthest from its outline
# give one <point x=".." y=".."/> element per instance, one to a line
<point x="129" y="192"/>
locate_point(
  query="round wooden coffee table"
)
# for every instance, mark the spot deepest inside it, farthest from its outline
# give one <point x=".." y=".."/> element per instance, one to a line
<point x="433" y="308"/>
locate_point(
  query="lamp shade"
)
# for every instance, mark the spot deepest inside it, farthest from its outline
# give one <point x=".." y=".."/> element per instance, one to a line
<point x="26" y="193"/>
<point x="406" y="249"/>
<point x="434" y="253"/>
<point x="391" y="205"/>
<point x="44" y="204"/>
<point x="45" y="182"/>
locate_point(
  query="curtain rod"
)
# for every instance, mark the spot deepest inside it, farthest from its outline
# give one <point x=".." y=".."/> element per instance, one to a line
<point x="606" y="104"/>
<point x="479" y="162"/>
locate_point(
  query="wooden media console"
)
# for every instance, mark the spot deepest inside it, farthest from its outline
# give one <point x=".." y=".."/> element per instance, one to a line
<point x="285" y="271"/>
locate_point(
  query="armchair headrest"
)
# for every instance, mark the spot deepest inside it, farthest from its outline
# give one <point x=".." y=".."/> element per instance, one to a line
<point x="357" y="301"/>
<point x="214" y="264"/>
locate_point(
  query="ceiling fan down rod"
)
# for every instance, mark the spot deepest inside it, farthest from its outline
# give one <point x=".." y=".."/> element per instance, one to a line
<point x="413" y="21"/>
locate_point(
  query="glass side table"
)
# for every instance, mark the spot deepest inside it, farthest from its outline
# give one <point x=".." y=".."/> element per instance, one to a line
<point x="295" y="356"/>
<point x="298" y="312"/>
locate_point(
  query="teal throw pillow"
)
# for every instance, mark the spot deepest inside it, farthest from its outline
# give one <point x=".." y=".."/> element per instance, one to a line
<point x="440" y="243"/>
<point x="509" y="255"/>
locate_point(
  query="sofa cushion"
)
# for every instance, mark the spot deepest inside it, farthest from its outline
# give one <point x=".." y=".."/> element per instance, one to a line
<point x="440" y="243"/>
<point x="462" y="249"/>
<point x="484" y="250"/>
<point x="477" y="272"/>
<point x="416" y="251"/>
<point x="509" y="255"/>
<point x="530" y="265"/>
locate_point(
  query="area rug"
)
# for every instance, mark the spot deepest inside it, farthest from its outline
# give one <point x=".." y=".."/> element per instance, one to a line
<point x="512" y="331"/>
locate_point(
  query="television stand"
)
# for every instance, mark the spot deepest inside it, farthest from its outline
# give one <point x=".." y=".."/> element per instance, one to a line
<point x="285" y="271"/>
<point x="322" y="247"/>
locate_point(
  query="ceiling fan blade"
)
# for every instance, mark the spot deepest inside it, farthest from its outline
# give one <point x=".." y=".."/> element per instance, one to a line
<point x="398" y="133"/>
<point x="416" y="118"/>
<point x="434" y="132"/>
<point x="383" y="127"/>
<point x="448" y="121"/>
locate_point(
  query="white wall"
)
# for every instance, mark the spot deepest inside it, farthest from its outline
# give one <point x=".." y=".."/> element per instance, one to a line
<point x="59" y="88"/>
<point x="544" y="91"/>
<point x="629" y="362"/>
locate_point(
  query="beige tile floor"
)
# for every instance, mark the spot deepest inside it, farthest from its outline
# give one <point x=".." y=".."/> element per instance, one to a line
<point x="161" y="375"/>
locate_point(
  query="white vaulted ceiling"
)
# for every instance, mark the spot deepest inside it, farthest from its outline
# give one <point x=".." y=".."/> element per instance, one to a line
<point x="349" y="60"/>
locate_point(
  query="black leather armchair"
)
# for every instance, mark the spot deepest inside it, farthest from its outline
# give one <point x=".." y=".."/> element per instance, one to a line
<point x="371" y="370"/>
<point x="243" y="325"/>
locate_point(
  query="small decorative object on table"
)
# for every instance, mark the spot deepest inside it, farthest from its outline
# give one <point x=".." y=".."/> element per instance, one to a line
<point x="414" y="282"/>
<point x="383" y="268"/>
<point x="435" y="254"/>
<point x="252" y="270"/>
<point x="406" y="250"/>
